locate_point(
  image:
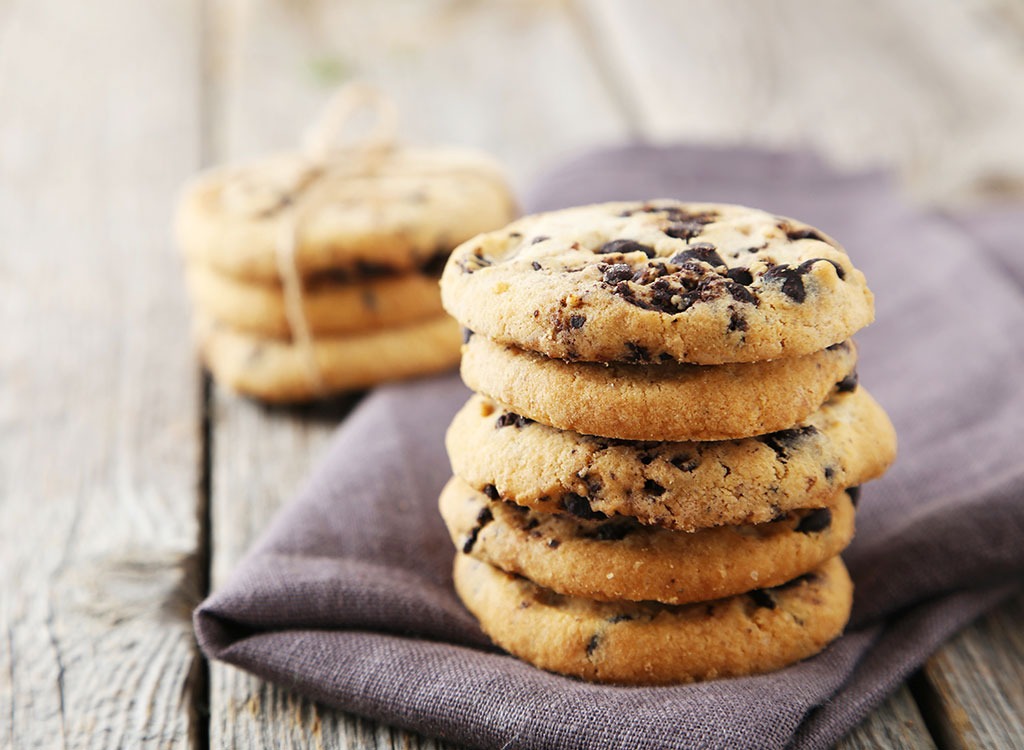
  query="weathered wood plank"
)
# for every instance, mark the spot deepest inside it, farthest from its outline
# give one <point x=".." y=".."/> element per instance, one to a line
<point x="896" y="724"/>
<point x="972" y="690"/>
<point x="99" y="433"/>
<point x="511" y="78"/>
<point x="876" y="82"/>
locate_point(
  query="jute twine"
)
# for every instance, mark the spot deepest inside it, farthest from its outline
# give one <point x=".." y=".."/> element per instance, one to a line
<point x="327" y="157"/>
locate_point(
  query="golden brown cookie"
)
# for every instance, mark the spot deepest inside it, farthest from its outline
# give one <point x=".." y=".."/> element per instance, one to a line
<point x="645" y="643"/>
<point x="657" y="402"/>
<point x="280" y="371"/>
<point x="331" y="308"/>
<point x="619" y="559"/>
<point x="663" y="280"/>
<point x="683" y="486"/>
<point x="362" y="216"/>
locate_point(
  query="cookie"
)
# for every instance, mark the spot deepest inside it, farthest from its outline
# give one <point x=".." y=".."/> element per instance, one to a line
<point x="646" y="282"/>
<point x="330" y="308"/>
<point x="363" y="217"/>
<point x="618" y="559"/>
<point x="280" y="371"/>
<point x="657" y="402"/>
<point x="646" y="643"/>
<point x="682" y="486"/>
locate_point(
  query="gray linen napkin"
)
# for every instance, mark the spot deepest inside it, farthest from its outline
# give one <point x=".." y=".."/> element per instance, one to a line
<point x="348" y="596"/>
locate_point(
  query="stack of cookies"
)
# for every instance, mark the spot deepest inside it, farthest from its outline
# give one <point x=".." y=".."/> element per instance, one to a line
<point x="660" y="465"/>
<point x="315" y="277"/>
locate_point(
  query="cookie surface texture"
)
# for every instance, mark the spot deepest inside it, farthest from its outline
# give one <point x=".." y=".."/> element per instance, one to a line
<point x="650" y="643"/>
<point x="620" y="559"/>
<point x="280" y="371"/>
<point x="364" y="217"/>
<point x="662" y="280"/>
<point x="657" y="402"/>
<point x="678" y="485"/>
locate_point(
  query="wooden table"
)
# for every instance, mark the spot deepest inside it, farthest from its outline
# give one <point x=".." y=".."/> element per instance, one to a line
<point x="129" y="485"/>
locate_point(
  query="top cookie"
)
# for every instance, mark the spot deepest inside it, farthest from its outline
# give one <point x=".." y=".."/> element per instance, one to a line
<point x="694" y="282"/>
<point x="397" y="212"/>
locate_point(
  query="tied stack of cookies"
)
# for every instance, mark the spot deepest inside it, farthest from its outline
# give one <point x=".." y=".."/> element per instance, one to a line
<point x="317" y="272"/>
<point x="662" y="460"/>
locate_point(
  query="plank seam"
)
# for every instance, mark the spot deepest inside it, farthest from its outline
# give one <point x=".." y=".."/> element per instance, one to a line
<point x="930" y="706"/>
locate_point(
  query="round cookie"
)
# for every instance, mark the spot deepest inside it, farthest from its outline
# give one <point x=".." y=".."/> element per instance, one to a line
<point x="330" y="308"/>
<point x="645" y="282"/>
<point x="279" y="371"/>
<point x="646" y="643"/>
<point x="618" y="559"/>
<point x="657" y="402"/>
<point x="367" y="214"/>
<point x="683" y="486"/>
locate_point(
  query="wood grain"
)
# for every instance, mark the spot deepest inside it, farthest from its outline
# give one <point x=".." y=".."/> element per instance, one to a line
<point x="99" y="436"/>
<point x="933" y="89"/>
<point x="972" y="690"/>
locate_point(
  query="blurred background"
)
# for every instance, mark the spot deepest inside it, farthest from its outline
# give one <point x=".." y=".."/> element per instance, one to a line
<point x="129" y="484"/>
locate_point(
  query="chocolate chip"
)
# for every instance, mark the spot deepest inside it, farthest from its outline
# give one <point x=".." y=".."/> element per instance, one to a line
<point x="792" y="283"/>
<point x="653" y="488"/>
<point x="466" y="335"/>
<point x="854" y="494"/>
<point x="626" y="246"/>
<point x="617" y="273"/>
<point x="737" y="322"/>
<point x="554" y="543"/>
<point x="579" y="506"/>
<point x="685" y="463"/>
<point x="637" y="353"/>
<point x="740" y="276"/>
<point x="702" y="251"/>
<point x="684" y="230"/>
<point x="848" y="384"/>
<point x="619" y="618"/>
<point x="483" y="518"/>
<point x="818" y="519"/>
<point x="536" y="266"/>
<point x="762" y="598"/>
<point x="539" y="238"/>
<point x="531" y="524"/>
<point x="592" y="644"/>
<point x="491" y="491"/>
<point x="434" y="265"/>
<point x="739" y="292"/>
<point x="511" y="419"/>
<point x="804" y="234"/>
<point x="829" y="473"/>
<point x="785" y="440"/>
<point x="594" y="485"/>
<point x="577" y="321"/>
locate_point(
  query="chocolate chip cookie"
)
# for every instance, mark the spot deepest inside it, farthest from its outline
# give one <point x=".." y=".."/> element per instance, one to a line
<point x="362" y="217"/>
<point x="651" y="643"/>
<point x="331" y="307"/>
<point x="670" y="401"/>
<point x="281" y="371"/>
<point x="679" y="485"/>
<point x="621" y="559"/>
<point x="658" y="281"/>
